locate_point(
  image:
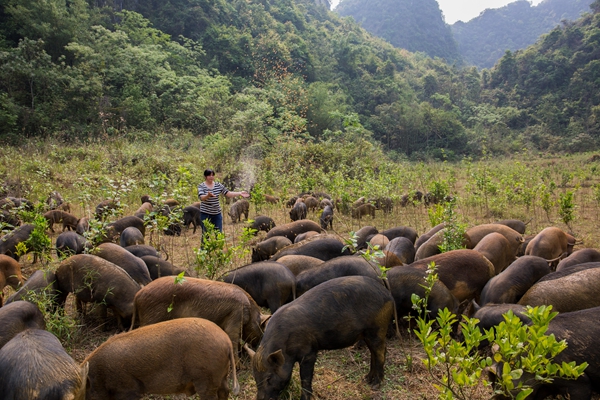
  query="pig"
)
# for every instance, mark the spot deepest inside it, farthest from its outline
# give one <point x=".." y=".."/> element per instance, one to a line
<point x="130" y="236"/>
<point x="158" y="267"/>
<point x="297" y="263"/>
<point x="10" y="274"/>
<point x="383" y="203"/>
<point x="104" y="208"/>
<point x="579" y="257"/>
<point x="144" y="209"/>
<point x="185" y="355"/>
<point x="171" y="203"/>
<point x="134" y="266"/>
<point x="140" y="250"/>
<point x="359" y="202"/>
<point x="319" y="321"/>
<point x="414" y="197"/>
<point x="515" y="224"/>
<point x="271" y="199"/>
<point x="54" y="200"/>
<point x="401" y="231"/>
<point x="495" y="247"/>
<point x="492" y="315"/>
<point x="433" y="245"/>
<point x="325" y="202"/>
<point x="270" y="283"/>
<point x="17" y="317"/>
<point x="523" y="246"/>
<point x="83" y="225"/>
<point x="268" y="247"/>
<point x="69" y="221"/>
<point x="551" y="243"/>
<point x="512" y="283"/>
<point x="69" y="243"/>
<point x="388" y="259"/>
<point x="225" y="304"/>
<point x="299" y="211"/>
<point x="237" y="209"/>
<point x="305" y="235"/>
<point x="363" y="234"/>
<point x="478" y="232"/>
<point x="326" y="218"/>
<point x="403" y="248"/>
<point x="311" y="203"/>
<point x="379" y="240"/>
<point x="40" y="283"/>
<point x="293" y="229"/>
<point x="406" y="280"/>
<point x="335" y="268"/>
<point x="324" y="248"/>
<point x="291" y="202"/>
<point x="425" y="237"/>
<point x="361" y="211"/>
<point x="582" y="344"/>
<point x="262" y="223"/>
<point x="568" y="271"/>
<point x="93" y="279"/>
<point x="465" y="272"/>
<point x="34" y="365"/>
<point x="115" y="228"/>
<point x="9" y="242"/>
<point x="572" y="292"/>
<point x="191" y="216"/>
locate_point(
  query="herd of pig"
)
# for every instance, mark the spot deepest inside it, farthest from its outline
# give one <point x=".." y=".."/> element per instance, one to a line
<point x="185" y="334"/>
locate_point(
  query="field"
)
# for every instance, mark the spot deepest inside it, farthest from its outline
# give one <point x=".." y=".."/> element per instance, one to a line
<point x="545" y="190"/>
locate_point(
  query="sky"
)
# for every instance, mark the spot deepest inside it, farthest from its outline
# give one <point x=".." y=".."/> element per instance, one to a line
<point x="465" y="10"/>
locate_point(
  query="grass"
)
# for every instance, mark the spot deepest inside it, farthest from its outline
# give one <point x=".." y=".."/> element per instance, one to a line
<point x="88" y="173"/>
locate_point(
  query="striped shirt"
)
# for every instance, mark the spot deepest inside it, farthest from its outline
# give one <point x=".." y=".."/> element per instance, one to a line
<point x="211" y="206"/>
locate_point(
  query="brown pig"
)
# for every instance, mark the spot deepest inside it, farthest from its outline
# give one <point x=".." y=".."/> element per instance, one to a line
<point x="361" y="211"/>
<point x="69" y="221"/>
<point x="293" y="229"/>
<point x="478" y="232"/>
<point x="575" y="291"/>
<point x="10" y="274"/>
<point x="464" y="272"/>
<point x="159" y="267"/>
<point x="495" y="247"/>
<point x="185" y="355"/>
<point x="299" y="263"/>
<point x="551" y="243"/>
<point x="237" y="209"/>
<point x="94" y="280"/>
<point x="227" y="305"/>
<point x="265" y="249"/>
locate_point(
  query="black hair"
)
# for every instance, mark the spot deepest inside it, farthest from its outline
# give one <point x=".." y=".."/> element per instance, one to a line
<point x="208" y="172"/>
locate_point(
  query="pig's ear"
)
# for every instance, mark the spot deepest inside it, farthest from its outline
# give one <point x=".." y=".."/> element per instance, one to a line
<point x="264" y="320"/>
<point x="276" y="359"/>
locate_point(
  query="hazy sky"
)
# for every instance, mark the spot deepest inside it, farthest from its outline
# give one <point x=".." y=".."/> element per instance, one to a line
<point x="464" y="10"/>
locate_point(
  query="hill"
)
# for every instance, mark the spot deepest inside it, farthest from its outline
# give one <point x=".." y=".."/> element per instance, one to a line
<point x="415" y="26"/>
<point x="483" y="40"/>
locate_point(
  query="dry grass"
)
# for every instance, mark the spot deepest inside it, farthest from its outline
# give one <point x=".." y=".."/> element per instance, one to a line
<point x="339" y="374"/>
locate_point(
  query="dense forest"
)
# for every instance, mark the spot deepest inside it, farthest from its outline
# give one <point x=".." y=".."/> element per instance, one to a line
<point x="483" y="40"/>
<point x="414" y="26"/>
<point x="247" y="75"/>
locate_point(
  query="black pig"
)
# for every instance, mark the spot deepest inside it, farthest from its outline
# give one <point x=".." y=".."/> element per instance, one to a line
<point x="270" y="283"/>
<point x="320" y="321"/>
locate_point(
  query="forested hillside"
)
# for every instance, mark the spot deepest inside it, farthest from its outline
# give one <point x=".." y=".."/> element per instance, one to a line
<point x="415" y="26"/>
<point x="245" y="76"/>
<point x="482" y="41"/>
